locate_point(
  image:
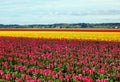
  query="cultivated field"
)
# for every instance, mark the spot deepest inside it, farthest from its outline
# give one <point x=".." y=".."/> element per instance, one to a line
<point x="60" y="56"/>
<point x="108" y="35"/>
<point x="58" y="60"/>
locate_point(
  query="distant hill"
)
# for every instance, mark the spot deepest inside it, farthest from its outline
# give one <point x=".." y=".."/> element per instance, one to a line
<point x="65" y="25"/>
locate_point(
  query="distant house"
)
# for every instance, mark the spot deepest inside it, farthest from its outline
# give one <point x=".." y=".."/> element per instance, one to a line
<point x="116" y="27"/>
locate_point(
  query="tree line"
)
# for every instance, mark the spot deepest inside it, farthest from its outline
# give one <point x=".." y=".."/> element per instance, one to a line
<point x="65" y="25"/>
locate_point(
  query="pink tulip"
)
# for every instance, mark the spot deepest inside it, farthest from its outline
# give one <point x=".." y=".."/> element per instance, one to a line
<point x="50" y="81"/>
<point x="7" y="77"/>
<point x="68" y="76"/>
<point x="80" y="77"/>
<point x="1" y="73"/>
<point x="56" y="76"/>
<point x="76" y="78"/>
<point x="13" y="75"/>
<point x="101" y="71"/>
<point x="61" y="77"/>
<point x="18" y="80"/>
<point x="102" y="80"/>
<point x="88" y="79"/>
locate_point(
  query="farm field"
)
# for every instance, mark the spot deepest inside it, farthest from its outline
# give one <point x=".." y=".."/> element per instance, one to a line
<point x="60" y="41"/>
<point x="60" y="56"/>
<point x="58" y="60"/>
<point x="107" y="35"/>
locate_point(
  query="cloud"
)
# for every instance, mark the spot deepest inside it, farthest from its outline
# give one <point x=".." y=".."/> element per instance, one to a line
<point x="56" y="11"/>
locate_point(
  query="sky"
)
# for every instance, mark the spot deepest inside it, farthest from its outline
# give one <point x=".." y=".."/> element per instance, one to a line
<point x="59" y="11"/>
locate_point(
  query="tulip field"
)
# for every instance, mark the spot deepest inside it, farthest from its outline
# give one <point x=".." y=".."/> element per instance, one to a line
<point x="101" y="35"/>
<point x="41" y="59"/>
